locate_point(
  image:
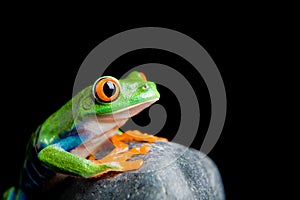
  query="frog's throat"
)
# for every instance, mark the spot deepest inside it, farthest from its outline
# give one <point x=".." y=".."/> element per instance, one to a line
<point x="105" y="127"/>
<point x="128" y="112"/>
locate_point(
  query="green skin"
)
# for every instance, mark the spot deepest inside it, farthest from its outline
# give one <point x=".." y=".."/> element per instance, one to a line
<point x="68" y="155"/>
<point x="79" y="128"/>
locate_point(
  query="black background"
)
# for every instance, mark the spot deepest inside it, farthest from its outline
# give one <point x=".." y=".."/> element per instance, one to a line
<point x="40" y="59"/>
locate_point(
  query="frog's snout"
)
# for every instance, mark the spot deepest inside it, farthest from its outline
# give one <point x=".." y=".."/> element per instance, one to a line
<point x="149" y="89"/>
<point x="148" y="86"/>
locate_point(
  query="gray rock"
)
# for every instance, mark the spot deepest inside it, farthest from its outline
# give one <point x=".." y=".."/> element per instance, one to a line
<point x="169" y="171"/>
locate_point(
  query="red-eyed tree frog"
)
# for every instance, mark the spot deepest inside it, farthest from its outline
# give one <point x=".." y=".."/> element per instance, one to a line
<point x="67" y="141"/>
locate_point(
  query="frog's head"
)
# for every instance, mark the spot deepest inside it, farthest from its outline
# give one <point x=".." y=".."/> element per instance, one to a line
<point x="119" y="99"/>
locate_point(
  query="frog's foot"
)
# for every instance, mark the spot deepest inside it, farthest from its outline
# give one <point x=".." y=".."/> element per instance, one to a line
<point x="135" y="135"/>
<point x="121" y="154"/>
<point x="117" y="156"/>
<point x="129" y="136"/>
<point x="120" y="159"/>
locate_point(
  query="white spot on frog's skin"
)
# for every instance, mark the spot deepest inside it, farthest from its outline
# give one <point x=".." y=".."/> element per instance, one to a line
<point x="127" y="90"/>
<point x="147" y="94"/>
<point x="133" y="86"/>
<point x="115" y="164"/>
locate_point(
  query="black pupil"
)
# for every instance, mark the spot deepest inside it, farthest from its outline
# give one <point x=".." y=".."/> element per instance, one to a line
<point x="109" y="89"/>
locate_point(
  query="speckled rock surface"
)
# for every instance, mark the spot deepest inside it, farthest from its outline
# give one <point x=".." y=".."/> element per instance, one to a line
<point x="169" y="171"/>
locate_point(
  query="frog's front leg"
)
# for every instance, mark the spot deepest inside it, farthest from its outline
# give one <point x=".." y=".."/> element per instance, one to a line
<point x="60" y="160"/>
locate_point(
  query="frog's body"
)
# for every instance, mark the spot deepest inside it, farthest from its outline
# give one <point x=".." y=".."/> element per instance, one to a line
<point x="66" y="142"/>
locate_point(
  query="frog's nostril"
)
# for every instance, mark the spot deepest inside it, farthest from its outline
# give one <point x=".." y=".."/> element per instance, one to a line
<point x="145" y="86"/>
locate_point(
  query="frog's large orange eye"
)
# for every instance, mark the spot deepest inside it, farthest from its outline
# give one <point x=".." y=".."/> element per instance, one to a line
<point x="106" y="89"/>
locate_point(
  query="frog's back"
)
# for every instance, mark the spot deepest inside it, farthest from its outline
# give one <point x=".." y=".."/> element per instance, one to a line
<point x="54" y="126"/>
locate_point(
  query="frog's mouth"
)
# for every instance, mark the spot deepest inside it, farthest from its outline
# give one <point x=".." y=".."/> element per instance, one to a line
<point x="128" y="112"/>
